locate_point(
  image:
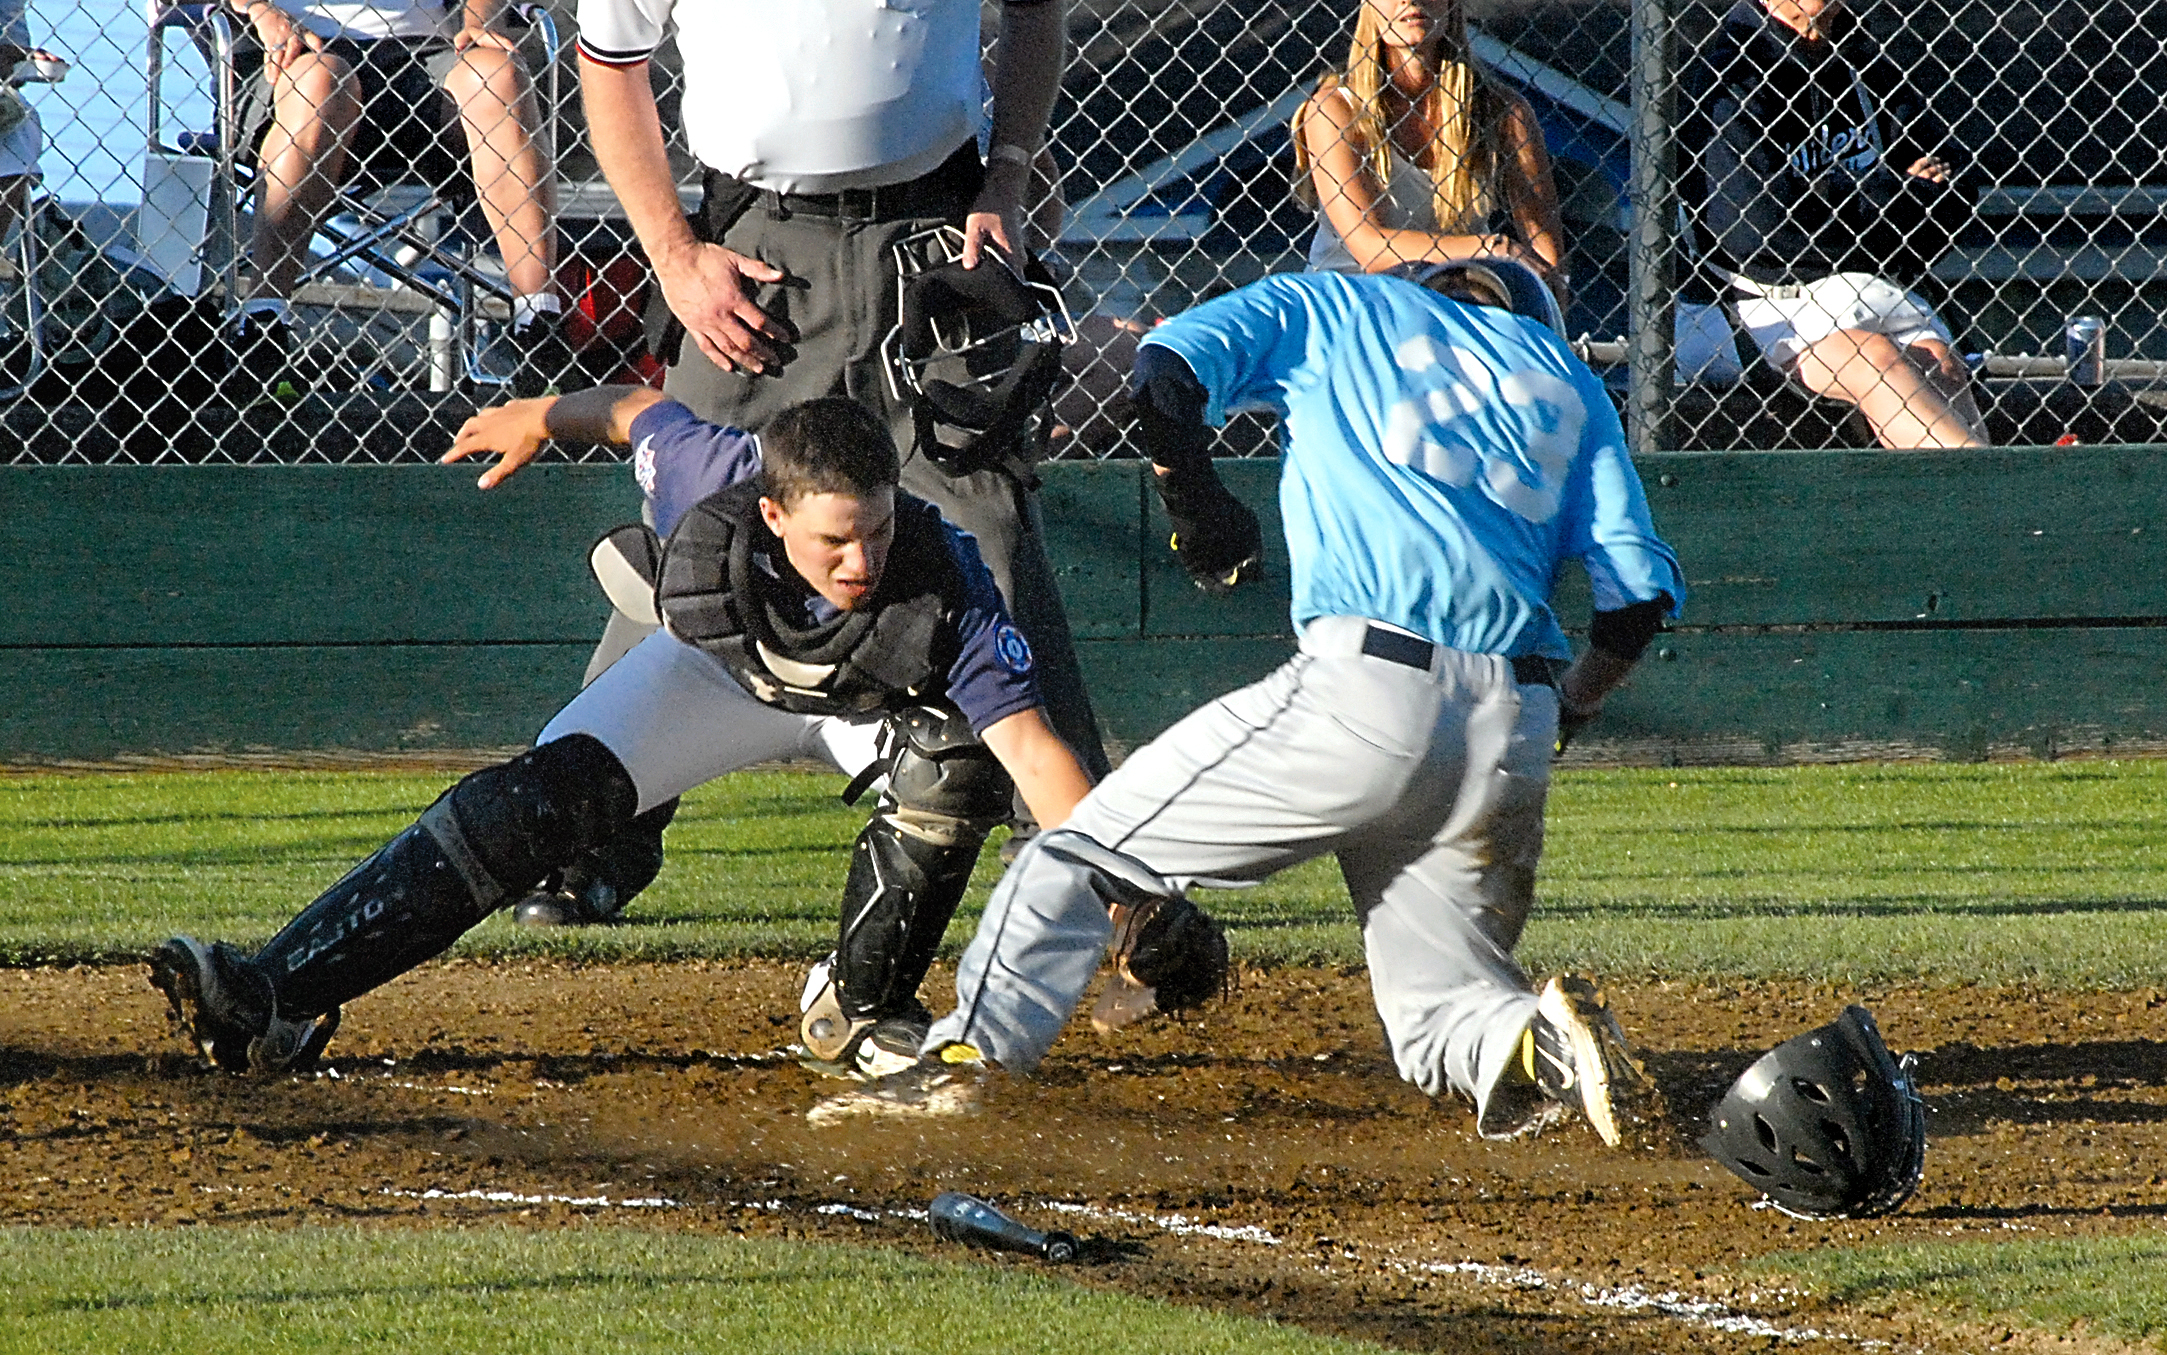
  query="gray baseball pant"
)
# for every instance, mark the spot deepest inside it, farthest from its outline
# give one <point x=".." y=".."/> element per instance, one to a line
<point x="1429" y="787"/>
<point x="676" y="719"/>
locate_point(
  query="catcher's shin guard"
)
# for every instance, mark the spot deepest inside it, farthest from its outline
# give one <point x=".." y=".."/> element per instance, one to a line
<point x="596" y="885"/>
<point x="485" y="842"/>
<point x="907" y="873"/>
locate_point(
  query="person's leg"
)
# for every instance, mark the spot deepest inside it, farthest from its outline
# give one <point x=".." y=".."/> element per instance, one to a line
<point x="663" y="720"/>
<point x="315" y="104"/>
<point x="1256" y="781"/>
<point x="1945" y="370"/>
<point x="677" y="719"/>
<point x="1444" y="886"/>
<point x="1868" y="370"/>
<point x="619" y="635"/>
<point x="513" y="167"/>
<point x="816" y="296"/>
<point x="20" y="151"/>
<point x="14" y="197"/>
<point x="945" y="791"/>
<point x="479" y="846"/>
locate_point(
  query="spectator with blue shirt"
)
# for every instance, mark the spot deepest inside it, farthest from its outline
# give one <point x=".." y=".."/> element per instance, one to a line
<point x="808" y="609"/>
<point x="1443" y="458"/>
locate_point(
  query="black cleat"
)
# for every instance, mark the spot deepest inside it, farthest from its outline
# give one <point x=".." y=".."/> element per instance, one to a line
<point x="226" y="1006"/>
<point x="547" y="362"/>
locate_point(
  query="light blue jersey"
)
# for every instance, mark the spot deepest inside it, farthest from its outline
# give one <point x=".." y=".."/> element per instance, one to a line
<point x="1441" y="460"/>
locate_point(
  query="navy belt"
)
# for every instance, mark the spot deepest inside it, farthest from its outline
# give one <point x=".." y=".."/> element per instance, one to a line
<point x="1394" y="647"/>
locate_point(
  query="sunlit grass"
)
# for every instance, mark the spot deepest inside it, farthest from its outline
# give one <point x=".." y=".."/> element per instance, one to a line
<point x="2024" y="872"/>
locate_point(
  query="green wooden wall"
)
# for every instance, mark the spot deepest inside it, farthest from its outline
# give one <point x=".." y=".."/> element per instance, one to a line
<point x="1845" y="604"/>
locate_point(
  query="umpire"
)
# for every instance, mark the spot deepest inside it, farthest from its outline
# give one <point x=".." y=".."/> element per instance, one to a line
<point x="828" y="132"/>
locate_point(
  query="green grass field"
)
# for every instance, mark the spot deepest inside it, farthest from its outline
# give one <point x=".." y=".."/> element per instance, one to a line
<point x="2043" y="873"/>
<point x="1945" y="872"/>
<point x="500" y="1291"/>
<point x="2115" y="1287"/>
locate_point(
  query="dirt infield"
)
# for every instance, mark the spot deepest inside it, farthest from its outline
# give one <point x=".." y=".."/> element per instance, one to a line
<point x="1265" y="1159"/>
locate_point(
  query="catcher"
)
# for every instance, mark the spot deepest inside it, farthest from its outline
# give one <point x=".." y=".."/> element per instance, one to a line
<point x="809" y="608"/>
<point x="1444" y="455"/>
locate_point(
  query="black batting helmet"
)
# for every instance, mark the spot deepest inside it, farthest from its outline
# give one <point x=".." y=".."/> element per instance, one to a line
<point x="1504" y="283"/>
<point x="1828" y="1125"/>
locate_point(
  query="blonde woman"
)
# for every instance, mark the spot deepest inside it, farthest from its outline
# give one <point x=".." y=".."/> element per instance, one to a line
<point x="1415" y="152"/>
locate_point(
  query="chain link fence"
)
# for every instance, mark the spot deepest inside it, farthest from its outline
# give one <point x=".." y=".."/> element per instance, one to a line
<point x="132" y="224"/>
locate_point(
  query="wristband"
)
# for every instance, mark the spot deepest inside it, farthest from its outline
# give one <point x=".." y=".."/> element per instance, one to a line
<point x="1009" y="152"/>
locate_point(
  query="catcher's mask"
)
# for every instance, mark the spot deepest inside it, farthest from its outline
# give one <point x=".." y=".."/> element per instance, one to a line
<point x="974" y="353"/>
<point x="1829" y="1125"/>
<point x="1504" y="283"/>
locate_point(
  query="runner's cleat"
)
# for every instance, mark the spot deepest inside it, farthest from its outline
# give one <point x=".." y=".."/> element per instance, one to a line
<point x="1576" y="1054"/>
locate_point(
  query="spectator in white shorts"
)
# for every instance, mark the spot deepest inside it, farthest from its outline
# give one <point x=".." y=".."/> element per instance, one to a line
<point x="1790" y="132"/>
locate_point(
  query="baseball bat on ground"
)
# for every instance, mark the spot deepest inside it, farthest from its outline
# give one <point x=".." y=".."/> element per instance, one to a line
<point x="966" y="1218"/>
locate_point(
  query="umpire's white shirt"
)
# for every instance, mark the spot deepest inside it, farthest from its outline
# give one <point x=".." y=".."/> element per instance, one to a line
<point x="809" y="96"/>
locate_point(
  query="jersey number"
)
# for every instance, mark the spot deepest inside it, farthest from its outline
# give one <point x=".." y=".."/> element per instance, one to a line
<point x="1436" y="430"/>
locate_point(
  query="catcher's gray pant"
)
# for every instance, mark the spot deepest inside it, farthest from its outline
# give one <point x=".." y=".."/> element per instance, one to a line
<point x="1429" y="785"/>
<point x="676" y="719"/>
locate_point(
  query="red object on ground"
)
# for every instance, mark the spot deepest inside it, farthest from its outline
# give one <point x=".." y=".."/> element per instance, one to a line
<point x="609" y="303"/>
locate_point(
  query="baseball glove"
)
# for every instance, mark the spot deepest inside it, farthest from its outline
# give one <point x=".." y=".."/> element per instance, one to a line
<point x="1571" y="720"/>
<point x="1168" y="954"/>
<point x="1216" y="537"/>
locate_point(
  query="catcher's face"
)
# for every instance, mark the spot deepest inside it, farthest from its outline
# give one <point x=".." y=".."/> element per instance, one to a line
<point x="838" y="543"/>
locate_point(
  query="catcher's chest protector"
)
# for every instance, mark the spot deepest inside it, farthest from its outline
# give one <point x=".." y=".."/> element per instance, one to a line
<point x="722" y="590"/>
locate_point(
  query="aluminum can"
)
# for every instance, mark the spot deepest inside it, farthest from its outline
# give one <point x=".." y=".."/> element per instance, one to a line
<point x="2086" y="341"/>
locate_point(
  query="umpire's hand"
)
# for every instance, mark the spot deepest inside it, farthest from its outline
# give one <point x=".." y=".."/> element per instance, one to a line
<point x="710" y="289"/>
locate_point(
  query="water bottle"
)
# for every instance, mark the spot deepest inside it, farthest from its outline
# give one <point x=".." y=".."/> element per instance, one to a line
<point x="966" y="1218"/>
<point x="2087" y="345"/>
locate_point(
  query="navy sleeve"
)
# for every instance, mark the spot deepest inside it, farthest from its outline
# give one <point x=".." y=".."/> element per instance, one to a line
<point x="993" y="676"/>
<point x="680" y="459"/>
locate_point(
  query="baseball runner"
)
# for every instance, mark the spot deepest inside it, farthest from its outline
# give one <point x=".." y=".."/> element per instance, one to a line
<point x="1442" y="460"/>
<point x="809" y="609"/>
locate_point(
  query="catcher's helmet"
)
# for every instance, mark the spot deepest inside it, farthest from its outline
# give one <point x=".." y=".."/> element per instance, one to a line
<point x="974" y="352"/>
<point x="1828" y="1124"/>
<point x="1504" y="283"/>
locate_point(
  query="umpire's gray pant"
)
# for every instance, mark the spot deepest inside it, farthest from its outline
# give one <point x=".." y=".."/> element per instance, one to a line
<point x="841" y="294"/>
<point x="1429" y="787"/>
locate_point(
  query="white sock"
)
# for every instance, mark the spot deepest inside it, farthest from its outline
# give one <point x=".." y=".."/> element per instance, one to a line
<point x="527" y="309"/>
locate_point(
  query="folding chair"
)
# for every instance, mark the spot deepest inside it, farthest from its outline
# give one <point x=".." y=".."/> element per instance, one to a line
<point x="390" y="226"/>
